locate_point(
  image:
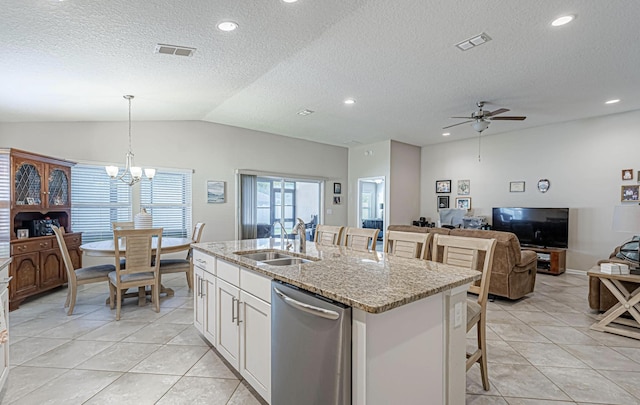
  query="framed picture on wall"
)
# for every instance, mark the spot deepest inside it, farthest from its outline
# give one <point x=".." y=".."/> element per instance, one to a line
<point x="516" y="187"/>
<point x="629" y="193"/>
<point x="464" y="187"/>
<point x="443" y="201"/>
<point x="443" y="186"/>
<point x="463" y="203"/>
<point x="627" y="174"/>
<point x="215" y="192"/>
<point x="337" y="188"/>
<point x="336" y="200"/>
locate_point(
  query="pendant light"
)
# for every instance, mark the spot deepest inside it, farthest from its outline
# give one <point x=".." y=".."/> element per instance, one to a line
<point x="132" y="174"/>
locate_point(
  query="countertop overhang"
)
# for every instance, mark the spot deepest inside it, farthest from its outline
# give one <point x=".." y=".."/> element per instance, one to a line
<point x="373" y="282"/>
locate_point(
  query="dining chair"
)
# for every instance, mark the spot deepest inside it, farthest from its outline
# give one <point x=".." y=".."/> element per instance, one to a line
<point x="470" y="253"/>
<point x="122" y="225"/>
<point x="328" y="234"/>
<point x="407" y="244"/>
<point x="360" y="238"/>
<point x="139" y="271"/>
<point x="168" y="266"/>
<point x="79" y="276"/>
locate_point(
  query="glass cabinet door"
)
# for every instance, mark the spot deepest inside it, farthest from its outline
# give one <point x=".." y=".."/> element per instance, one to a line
<point x="28" y="185"/>
<point x="58" y="194"/>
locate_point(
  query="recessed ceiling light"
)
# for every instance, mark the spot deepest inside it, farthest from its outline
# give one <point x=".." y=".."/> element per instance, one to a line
<point x="446" y="134"/>
<point x="289" y="1"/>
<point x="305" y="112"/>
<point x="349" y="101"/>
<point x="227" y="26"/>
<point x="563" y="20"/>
<point x="617" y="100"/>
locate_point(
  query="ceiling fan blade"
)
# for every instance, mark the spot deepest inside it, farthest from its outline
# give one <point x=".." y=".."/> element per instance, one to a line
<point x="459" y="123"/>
<point x="508" y="118"/>
<point x="496" y="112"/>
<point x="466" y="118"/>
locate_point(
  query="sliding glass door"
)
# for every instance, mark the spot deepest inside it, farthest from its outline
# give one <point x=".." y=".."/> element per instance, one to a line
<point x="267" y="201"/>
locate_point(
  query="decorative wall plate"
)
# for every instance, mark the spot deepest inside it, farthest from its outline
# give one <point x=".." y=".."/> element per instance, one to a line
<point x="543" y="185"/>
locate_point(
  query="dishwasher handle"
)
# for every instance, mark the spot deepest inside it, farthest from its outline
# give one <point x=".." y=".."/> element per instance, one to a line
<point x="321" y="312"/>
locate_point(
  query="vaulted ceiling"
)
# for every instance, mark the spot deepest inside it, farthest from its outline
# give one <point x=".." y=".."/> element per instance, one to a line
<point x="73" y="60"/>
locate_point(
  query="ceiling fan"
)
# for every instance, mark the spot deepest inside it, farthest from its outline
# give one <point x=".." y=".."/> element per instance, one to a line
<point x="481" y="119"/>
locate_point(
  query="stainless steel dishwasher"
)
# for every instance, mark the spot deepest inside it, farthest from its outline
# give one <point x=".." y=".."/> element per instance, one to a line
<point x="310" y="348"/>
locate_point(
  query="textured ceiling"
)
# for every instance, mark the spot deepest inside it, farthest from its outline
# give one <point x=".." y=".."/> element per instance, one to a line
<point x="73" y="60"/>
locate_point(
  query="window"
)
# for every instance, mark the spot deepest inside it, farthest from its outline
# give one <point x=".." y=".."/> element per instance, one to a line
<point x="265" y="200"/>
<point x="168" y="199"/>
<point x="96" y="202"/>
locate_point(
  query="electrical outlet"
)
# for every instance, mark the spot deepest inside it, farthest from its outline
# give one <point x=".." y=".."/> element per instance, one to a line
<point x="329" y="211"/>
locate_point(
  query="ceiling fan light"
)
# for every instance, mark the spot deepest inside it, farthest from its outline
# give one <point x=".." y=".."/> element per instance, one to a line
<point x="480" y="125"/>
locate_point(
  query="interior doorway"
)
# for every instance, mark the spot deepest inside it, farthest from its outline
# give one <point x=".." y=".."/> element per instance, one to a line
<point x="371" y="204"/>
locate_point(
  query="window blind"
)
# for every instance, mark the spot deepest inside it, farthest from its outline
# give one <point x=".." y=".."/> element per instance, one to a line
<point x="96" y="202"/>
<point x="168" y="199"/>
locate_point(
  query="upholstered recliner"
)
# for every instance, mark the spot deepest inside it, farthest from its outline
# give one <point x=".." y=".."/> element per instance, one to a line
<point x="514" y="270"/>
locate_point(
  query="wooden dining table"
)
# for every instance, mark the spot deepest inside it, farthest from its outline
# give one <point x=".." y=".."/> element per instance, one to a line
<point x="106" y="248"/>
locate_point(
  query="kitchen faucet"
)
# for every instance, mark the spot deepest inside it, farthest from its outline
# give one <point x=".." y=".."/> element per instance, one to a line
<point x="300" y="230"/>
<point x="288" y="245"/>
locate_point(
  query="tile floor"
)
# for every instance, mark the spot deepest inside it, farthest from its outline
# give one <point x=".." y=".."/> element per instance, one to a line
<point x="89" y="358"/>
<point x="541" y="352"/>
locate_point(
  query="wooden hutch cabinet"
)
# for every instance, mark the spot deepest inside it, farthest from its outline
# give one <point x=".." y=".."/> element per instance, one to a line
<point x="40" y="194"/>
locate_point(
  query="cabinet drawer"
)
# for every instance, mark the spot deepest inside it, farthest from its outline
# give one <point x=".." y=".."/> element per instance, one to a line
<point x="228" y="272"/>
<point x="28" y="246"/>
<point x="73" y="240"/>
<point x="204" y="261"/>
<point x="255" y="284"/>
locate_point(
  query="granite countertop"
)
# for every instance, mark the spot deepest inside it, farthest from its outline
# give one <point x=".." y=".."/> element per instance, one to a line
<point x="373" y="282"/>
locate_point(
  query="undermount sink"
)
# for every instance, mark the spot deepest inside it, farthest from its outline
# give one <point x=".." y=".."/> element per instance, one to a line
<point x="286" y="261"/>
<point x="262" y="256"/>
<point x="274" y="258"/>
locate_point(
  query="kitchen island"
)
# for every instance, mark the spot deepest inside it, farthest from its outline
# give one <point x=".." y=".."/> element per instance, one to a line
<point x="408" y="316"/>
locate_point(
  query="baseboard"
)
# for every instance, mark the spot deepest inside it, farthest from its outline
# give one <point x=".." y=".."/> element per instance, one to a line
<point x="578" y="272"/>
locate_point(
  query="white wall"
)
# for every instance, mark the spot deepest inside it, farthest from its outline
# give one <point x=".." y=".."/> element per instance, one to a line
<point x="582" y="159"/>
<point x="404" y="185"/>
<point x="214" y="151"/>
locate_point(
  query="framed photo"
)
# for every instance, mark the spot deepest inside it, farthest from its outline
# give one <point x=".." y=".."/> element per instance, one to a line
<point x="627" y="174"/>
<point x="443" y="186"/>
<point x="337" y="188"/>
<point x="443" y="201"/>
<point x="31" y="201"/>
<point x="22" y="233"/>
<point x="629" y="193"/>
<point x="336" y="200"/>
<point x="463" y="203"/>
<point x="464" y="187"/>
<point x="215" y="192"/>
<point x="516" y="187"/>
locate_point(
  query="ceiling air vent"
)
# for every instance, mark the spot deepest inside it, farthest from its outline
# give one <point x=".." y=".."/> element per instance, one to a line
<point x="174" y="50"/>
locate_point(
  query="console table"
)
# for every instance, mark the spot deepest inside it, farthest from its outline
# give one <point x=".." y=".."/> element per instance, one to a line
<point x="627" y="302"/>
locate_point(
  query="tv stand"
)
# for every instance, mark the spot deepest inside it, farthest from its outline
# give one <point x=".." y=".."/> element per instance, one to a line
<point x="550" y="260"/>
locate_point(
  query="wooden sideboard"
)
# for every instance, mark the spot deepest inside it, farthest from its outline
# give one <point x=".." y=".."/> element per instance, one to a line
<point x="40" y="188"/>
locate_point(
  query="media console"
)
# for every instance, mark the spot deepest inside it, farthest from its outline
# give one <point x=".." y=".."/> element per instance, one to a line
<point x="550" y="260"/>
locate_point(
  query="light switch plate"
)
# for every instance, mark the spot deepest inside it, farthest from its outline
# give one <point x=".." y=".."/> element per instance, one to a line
<point x="329" y="211"/>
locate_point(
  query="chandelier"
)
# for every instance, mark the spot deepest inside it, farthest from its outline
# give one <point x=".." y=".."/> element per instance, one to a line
<point x="132" y="174"/>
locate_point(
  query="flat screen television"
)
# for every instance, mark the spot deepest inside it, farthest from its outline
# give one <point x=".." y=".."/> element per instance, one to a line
<point x="535" y="227"/>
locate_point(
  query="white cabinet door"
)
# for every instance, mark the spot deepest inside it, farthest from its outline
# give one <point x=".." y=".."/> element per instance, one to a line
<point x="209" y="304"/>
<point x="228" y="336"/>
<point x="255" y="343"/>
<point x="198" y="299"/>
<point x="4" y="347"/>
